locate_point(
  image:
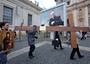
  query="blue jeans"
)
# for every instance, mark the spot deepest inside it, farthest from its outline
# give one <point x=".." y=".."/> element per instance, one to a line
<point x="3" y="58"/>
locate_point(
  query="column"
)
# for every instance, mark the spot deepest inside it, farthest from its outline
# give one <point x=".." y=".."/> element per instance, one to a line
<point x="65" y="13"/>
<point x="75" y="17"/>
<point x="86" y="17"/>
<point x="65" y="17"/>
<point x="1" y="11"/>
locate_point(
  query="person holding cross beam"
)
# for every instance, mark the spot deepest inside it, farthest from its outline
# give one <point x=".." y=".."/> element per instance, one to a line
<point x="78" y="37"/>
<point x="55" y="21"/>
<point x="31" y="34"/>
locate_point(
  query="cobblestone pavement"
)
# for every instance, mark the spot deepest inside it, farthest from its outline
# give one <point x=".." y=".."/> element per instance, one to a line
<point x="23" y="43"/>
<point x="45" y="54"/>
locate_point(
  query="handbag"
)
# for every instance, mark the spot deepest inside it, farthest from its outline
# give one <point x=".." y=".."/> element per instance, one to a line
<point x="55" y="43"/>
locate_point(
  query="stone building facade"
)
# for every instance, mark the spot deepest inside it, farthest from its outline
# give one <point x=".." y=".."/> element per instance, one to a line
<point x="80" y="10"/>
<point x="17" y="11"/>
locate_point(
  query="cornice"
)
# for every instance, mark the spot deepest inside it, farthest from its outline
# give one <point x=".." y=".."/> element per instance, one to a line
<point x="78" y="5"/>
<point x="30" y="3"/>
<point x="25" y="6"/>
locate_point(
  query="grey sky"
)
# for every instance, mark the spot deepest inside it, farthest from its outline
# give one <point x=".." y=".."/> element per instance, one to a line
<point x="45" y="3"/>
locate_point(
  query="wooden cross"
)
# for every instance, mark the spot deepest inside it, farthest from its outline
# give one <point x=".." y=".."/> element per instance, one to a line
<point x="71" y="28"/>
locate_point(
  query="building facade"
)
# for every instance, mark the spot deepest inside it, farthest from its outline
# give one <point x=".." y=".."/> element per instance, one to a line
<point x="17" y="11"/>
<point x="80" y="10"/>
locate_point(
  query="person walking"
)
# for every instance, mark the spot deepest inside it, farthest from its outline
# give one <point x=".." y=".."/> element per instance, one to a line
<point x="31" y="34"/>
<point x="55" y="21"/>
<point x="84" y="35"/>
<point x="74" y="50"/>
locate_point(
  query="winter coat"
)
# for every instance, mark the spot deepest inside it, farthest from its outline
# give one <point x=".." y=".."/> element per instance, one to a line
<point x="79" y="36"/>
<point x="31" y="36"/>
<point x="56" y="21"/>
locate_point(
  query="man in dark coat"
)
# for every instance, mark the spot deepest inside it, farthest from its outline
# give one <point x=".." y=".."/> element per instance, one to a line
<point x="31" y="40"/>
<point x="56" y="21"/>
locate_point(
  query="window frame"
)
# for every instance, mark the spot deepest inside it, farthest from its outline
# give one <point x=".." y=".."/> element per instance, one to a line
<point x="29" y="22"/>
<point x="8" y="12"/>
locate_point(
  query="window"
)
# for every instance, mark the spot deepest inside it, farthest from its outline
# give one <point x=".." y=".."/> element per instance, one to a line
<point x="89" y="21"/>
<point x="29" y="19"/>
<point x="7" y="14"/>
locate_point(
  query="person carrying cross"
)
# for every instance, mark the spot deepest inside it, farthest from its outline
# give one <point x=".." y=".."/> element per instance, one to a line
<point x="31" y="35"/>
<point x="74" y="50"/>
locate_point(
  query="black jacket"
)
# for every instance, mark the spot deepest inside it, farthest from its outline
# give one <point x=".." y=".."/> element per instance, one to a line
<point x="57" y="20"/>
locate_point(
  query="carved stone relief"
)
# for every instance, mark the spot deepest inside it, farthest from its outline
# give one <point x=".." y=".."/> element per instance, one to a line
<point x="89" y="10"/>
<point x="81" y="17"/>
<point x="89" y="15"/>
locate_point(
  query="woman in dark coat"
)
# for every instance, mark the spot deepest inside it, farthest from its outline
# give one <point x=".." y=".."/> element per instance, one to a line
<point x="31" y="40"/>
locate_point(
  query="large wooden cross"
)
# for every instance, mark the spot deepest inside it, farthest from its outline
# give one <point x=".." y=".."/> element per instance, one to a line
<point x="71" y="28"/>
